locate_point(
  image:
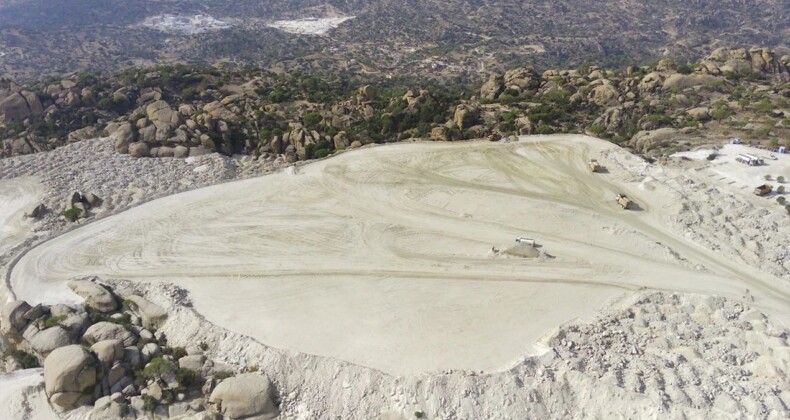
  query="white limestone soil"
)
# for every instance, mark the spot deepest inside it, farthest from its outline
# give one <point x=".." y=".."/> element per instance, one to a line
<point x="17" y="196"/>
<point x="309" y="26"/>
<point x="382" y="256"/>
<point x="22" y="396"/>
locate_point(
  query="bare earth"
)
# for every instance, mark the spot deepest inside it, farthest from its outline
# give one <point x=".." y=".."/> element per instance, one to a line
<point x="383" y="256"/>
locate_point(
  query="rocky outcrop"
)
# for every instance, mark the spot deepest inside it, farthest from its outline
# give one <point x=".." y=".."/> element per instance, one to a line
<point x="151" y="314"/>
<point x="679" y="81"/>
<point x="96" y="296"/>
<point x="646" y="141"/>
<point x="46" y="341"/>
<point x="492" y="88"/>
<point x="604" y="94"/>
<point x="102" y="331"/>
<point x="37" y="211"/>
<point x="16" y="106"/>
<point x="69" y="377"/>
<point x="243" y="396"/>
<point x="521" y="79"/>
<point x="12" y="317"/>
<point x="466" y="116"/>
<point x="122" y="377"/>
<point x="740" y="61"/>
<point x="78" y="204"/>
<point x="123" y="135"/>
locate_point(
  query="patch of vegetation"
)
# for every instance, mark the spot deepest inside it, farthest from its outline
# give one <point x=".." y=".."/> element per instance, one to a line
<point x="188" y="379"/>
<point x="54" y="321"/>
<point x="158" y="367"/>
<point x="175" y="352"/>
<point x="149" y="403"/>
<point x="25" y="359"/>
<point x="72" y="214"/>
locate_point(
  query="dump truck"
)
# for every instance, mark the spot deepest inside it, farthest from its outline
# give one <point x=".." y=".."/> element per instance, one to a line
<point x="624" y="201"/>
<point x="595" y="166"/>
<point x="764" y="189"/>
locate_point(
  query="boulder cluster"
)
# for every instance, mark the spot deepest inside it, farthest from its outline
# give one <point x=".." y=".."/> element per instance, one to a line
<point x="77" y="206"/>
<point x="181" y="112"/>
<point x="110" y="355"/>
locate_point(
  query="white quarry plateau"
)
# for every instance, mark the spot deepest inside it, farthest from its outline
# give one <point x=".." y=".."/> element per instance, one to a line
<point x="396" y="270"/>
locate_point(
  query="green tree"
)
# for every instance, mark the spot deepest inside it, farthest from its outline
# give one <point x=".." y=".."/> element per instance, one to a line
<point x="312" y="119"/>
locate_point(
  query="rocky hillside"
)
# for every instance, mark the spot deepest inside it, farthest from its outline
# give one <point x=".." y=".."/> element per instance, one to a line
<point x="180" y="111"/>
<point x="426" y="38"/>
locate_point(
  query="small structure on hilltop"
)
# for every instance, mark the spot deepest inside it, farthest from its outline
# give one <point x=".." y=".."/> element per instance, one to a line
<point x="750" y="160"/>
<point x="764" y="189"/>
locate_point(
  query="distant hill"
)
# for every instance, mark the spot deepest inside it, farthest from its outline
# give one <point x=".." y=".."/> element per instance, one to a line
<point x="392" y="38"/>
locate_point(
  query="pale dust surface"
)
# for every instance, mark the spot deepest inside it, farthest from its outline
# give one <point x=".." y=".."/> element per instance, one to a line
<point x="382" y="256"/>
<point x="22" y="396"/>
<point x="17" y="196"/>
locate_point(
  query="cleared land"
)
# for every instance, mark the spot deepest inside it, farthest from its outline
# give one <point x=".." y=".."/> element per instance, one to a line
<point x="383" y="256"/>
<point x="17" y="196"/>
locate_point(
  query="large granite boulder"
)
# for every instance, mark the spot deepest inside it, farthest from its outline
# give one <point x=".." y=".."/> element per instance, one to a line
<point x="69" y="377"/>
<point x="12" y="317"/>
<point x="96" y="296"/>
<point x="245" y="395"/>
<point x="16" y="106"/>
<point x="151" y="314"/>
<point x="101" y="331"/>
<point x="492" y="88"/>
<point x="46" y="341"/>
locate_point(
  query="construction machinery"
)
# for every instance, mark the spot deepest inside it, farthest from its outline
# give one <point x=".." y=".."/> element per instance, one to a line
<point x="595" y="166"/>
<point x="624" y="201"/>
<point x="526" y="241"/>
<point x="764" y="189"/>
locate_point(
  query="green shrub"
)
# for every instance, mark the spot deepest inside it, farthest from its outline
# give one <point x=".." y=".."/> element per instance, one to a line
<point x="222" y="375"/>
<point x="176" y="352"/>
<point x="158" y="367"/>
<point x="203" y="346"/>
<point x="312" y="119"/>
<point x="596" y="129"/>
<point x="188" y="378"/>
<point x="149" y="403"/>
<point x="25" y="359"/>
<point x="781" y="189"/>
<point x="544" y="129"/>
<point x="53" y="321"/>
<point x="72" y="214"/>
<point x="780" y="179"/>
<point x="781" y="200"/>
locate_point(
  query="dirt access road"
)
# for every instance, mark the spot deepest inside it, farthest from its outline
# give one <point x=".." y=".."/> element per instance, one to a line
<point x="382" y="256"/>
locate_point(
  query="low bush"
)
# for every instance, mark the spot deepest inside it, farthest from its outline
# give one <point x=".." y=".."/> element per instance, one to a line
<point x="158" y="367"/>
<point x="53" y="321"/>
<point x="188" y="378"/>
<point x="25" y="359"/>
<point x="72" y="214"/>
